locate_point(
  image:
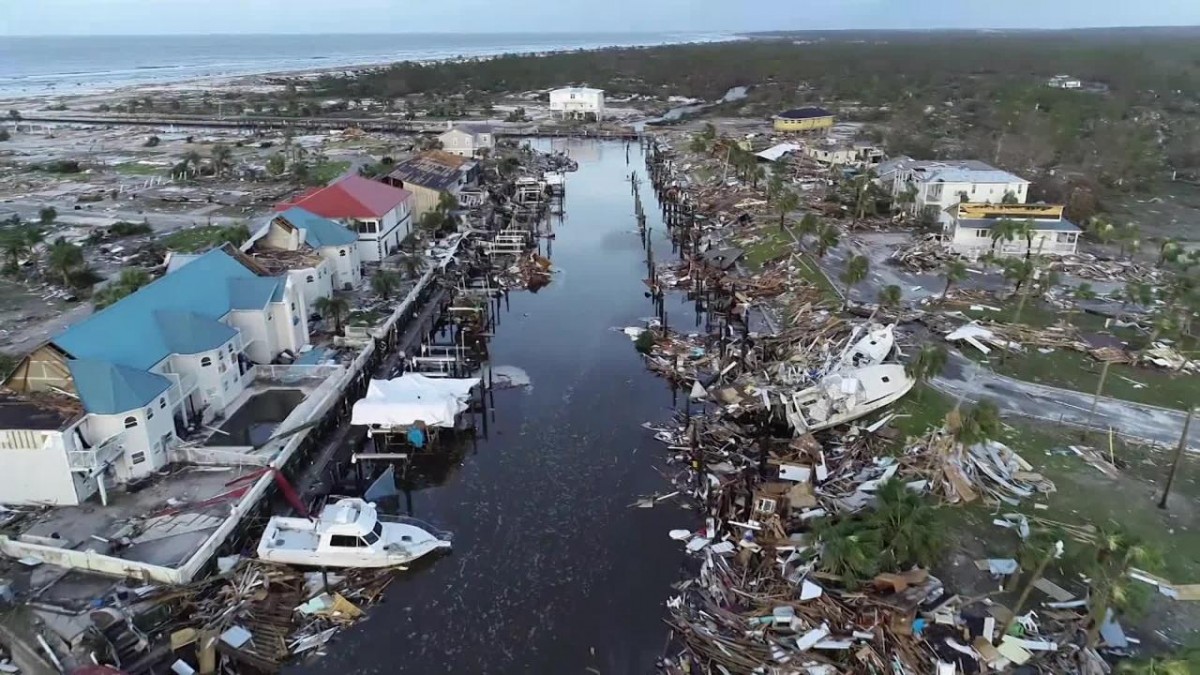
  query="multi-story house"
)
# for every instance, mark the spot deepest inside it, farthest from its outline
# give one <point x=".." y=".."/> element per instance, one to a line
<point x="105" y="401"/>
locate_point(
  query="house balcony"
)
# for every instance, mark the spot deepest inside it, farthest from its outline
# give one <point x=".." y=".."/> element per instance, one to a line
<point x="185" y="384"/>
<point x="97" y="457"/>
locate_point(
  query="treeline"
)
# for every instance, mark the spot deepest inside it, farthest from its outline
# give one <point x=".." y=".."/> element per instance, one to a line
<point x="930" y="95"/>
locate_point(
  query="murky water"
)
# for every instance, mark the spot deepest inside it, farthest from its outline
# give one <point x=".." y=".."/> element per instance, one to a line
<point x="552" y="571"/>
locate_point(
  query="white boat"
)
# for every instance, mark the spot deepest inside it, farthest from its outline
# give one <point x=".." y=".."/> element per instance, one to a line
<point x="871" y="350"/>
<point x="845" y="396"/>
<point x="349" y="533"/>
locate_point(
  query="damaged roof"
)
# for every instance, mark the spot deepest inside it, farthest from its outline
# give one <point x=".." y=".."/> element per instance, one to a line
<point x="318" y="232"/>
<point x="807" y="112"/>
<point x="428" y="172"/>
<point x="350" y="197"/>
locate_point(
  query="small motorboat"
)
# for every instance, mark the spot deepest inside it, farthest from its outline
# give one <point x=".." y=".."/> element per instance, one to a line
<point x="845" y="396"/>
<point x="349" y="533"/>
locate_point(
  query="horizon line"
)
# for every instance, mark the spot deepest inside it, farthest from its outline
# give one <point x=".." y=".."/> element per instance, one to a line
<point x="730" y="32"/>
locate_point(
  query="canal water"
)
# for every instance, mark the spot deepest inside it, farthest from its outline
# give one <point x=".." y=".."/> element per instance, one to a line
<point x="553" y="570"/>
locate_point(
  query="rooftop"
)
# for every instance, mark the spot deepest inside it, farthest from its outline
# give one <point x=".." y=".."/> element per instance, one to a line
<point x="427" y="171"/>
<point x="109" y="389"/>
<point x="1040" y="225"/>
<point x="805" y="113"/>
<point x="318" y="232"/>
<point x="581" y="90"/>
<point x="350" y="197"/>
<point x="40" y="411"/>
<point x="131" y="331"/>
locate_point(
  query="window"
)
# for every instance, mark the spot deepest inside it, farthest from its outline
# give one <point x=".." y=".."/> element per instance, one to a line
<point x="130" y="422"/>
<point x="149" y="413"/>
<point x="231" y="349"/>
<point x="375" y="533"/>
<point x="983" y="234"/>
<point x="205" y="362"/>
<point x="1066" y="237"/>
<point x="162" y="403"/>
<point x="344" y="541"/>
<point x="309" y="279"/>
<point x="765" y="505"/>
<point x="342" y="252"/>
<point x="137" y="457"/>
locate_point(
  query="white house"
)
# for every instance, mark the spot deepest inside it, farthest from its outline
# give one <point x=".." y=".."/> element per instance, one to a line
<point x="577" y="103"/>
<point x="1064" y="82"/>
<point x="319" y="254"/>
<point x="467" y="140"/>
<point x="971" y="227"/>
<point x="104" y="402"/>
<point x="937" y="185"/>
<point x="380" y="214"/>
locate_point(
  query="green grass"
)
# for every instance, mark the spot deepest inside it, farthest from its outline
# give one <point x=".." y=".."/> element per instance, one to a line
<point x="1069" y="369"/>
<point x="366" y="317"/>
<point x="326" y="172"/>
<point x="138" y="169"/>
<point x="193" y="239"/>
<point x="1083" y="494"/>
<point x="774" y="244"/>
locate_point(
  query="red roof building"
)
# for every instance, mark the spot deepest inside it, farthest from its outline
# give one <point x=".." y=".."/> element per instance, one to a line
<point x="379" y="213"/>
<point x="351" y="197"/>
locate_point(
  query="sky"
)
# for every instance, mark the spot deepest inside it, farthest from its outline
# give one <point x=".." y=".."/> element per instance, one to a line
<point x="166" y="17"/>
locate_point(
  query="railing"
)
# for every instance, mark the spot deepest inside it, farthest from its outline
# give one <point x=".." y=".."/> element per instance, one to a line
<point x="287" y="374"/>
<point x="185" y="383"/>
<point x="98" y="456"/>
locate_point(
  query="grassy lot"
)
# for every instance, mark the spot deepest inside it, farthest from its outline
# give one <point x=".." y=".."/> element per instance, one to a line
<point x="193" y="239"/>
<point x="1084" y="495"/>
<point x="326" y="172"/>
<point x="138" y="169"/>
<point x="774" y="244"/>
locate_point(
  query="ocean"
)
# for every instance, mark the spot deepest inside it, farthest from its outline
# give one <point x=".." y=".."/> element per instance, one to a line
<point x="49" y="66"/>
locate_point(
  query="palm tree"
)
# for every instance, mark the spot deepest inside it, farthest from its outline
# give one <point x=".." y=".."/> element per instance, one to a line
<point x="928" y="363"/>
<point x="235" y="234"/>
<point x="412" y="265"/>
<point x="1002" y="229"/>
<point x="856" y="270"/>
<point x="334" y="307"/>
<point x="1025" y="229"/>
<point x="890" y="297"/>
<point x="864" y="198"/>
<point x="698" y="145"/>
<point x="785" y="202"/>
<point x="978" y="424"/>
<point x="954" y="271"/>
<point x="1168" y="251"/>
<point x="827" y="238"/>
<point x="189" y="165"/>
<point x="1084" y="291"/>
<point x="1018" y="272"/>
<point x="384" y="283"/>
<point x="47" y="215"/>
<point x="222" y="159"/>
<point x="130" y="280"/>
<point x="1115" y="554"/>
<point x="65" y="258"/>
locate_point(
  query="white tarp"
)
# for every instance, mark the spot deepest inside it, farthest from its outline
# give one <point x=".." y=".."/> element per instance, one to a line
<point x="773" y="153"/>
<point x="413" y="398"/>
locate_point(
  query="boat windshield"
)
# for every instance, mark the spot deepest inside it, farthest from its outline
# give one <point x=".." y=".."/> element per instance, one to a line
<point x="373" y="536"/>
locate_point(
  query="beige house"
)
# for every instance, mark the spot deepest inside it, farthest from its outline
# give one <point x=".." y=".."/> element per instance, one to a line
<point x="430" y="175"/>
<point x="467" y="140"/>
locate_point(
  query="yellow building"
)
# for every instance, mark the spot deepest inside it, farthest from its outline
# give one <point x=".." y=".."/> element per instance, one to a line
<point x="809" y="118"/>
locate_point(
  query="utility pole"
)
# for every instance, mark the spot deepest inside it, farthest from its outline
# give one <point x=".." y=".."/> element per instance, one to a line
<point x="1096" y="400"/>
<point x="1187" y="423"/>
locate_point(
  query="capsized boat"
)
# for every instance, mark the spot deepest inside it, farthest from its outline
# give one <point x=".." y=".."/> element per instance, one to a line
<point x="872" y="349"/>
<point x="349" y="533"/>
<point x="845" y="396"/>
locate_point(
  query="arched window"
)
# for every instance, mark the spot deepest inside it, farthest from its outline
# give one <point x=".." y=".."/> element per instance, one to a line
<point x="342" y="252"/>
<point x="205" y="362"/>
<point x="162" y="403"/>
<point x="130" y="422"/>
<point x="309" y="279"/>
<point x="149" y="413"/>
